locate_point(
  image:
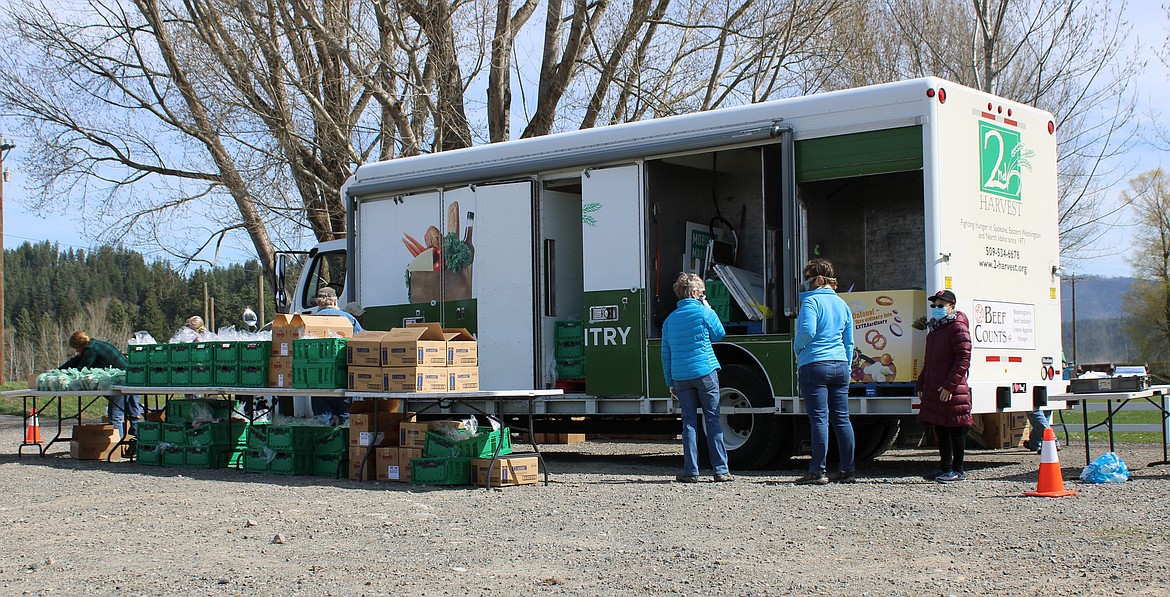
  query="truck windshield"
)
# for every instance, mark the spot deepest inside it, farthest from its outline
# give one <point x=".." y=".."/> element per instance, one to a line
<point x="327" y="270"/>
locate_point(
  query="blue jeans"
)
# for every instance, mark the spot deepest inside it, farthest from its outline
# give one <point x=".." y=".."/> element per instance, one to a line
<point x="693" y="393"/>
<point x="119" y="407"/>
<point x="1040" y="421"/>
<point x="824" y="386"/>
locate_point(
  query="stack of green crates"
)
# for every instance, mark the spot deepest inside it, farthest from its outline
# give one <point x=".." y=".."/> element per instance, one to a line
<point x="331" y="453"/>
<point x="319" y="363"/>
<point x="447" y="461"/>
<point x="139" y="357"/>
<point x="285" y="449"/>
<point x="197" y="433"/>
<point x="201" y="363"/>
<point x="225" y="358"/>
<point x="158" y="369"/>
<point x="254" y="356"/>
<point x="570" y="349"/>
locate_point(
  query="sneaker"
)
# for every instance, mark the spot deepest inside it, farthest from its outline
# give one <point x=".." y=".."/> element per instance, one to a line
<point x="723" y="477"/>
<point x="844" y="477"/>
<point x="950" y="477"/>
<point x="932" y="475"/>
<point x="687" y="478"/>
<point x="813" y="478"/>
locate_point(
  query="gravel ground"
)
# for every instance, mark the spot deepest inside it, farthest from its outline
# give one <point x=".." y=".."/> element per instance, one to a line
<point x="611" y="522"/>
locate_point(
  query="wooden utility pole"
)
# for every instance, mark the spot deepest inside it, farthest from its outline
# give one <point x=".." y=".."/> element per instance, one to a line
<point x="4" y="148"/>
<point x="260" y="293"/>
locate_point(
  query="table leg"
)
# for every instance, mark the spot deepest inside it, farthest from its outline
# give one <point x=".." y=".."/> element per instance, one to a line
<point x="1085" y="428"/>
<point x="1163" y="405"/>
<point x="26" y="414"/>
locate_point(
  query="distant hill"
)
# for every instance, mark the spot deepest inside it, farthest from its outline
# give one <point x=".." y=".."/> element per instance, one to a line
<point x="1100" y="320"/>
<point x="1096" y="298"/>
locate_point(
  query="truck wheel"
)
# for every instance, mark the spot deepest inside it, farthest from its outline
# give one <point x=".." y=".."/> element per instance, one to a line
<point x="752" y="440"/>
<point x="873" y="439"/>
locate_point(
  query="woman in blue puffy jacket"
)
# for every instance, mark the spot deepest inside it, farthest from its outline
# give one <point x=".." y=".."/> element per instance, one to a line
<point x="824" y="348"/>
<point x="692" y="374"/>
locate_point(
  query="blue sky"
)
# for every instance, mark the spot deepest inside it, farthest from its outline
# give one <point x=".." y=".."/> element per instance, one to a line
<point x="68" y="229"/>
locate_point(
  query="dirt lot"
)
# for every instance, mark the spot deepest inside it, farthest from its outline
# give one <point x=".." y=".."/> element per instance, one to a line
<point x="611" y="522"/>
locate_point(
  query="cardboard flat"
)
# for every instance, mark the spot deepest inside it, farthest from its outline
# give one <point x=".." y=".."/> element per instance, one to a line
<point x="515" y="470"/>
<point x="413" y="435"/>
<point x="462" y="349"/>
<point x="355" y="465"/>
<point x="415" y="379"/>
<point x="419" y="344"/>
<point x="362" y="432"/>
<point x="308" y="326"/>
<point x="387" y="464"/>
<point x="462" y="379"/>
<point x="92" y="442"/>
<point x="405" y="455"/>
<point x="365" y="349"/>
<point x="280" y="372"/>
<point x="366" y="379"/>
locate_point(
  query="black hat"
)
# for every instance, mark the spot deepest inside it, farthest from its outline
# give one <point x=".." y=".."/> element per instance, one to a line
<point x="944" y="295"/>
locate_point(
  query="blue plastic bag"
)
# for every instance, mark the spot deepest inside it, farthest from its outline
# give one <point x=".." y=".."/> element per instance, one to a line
<point x="1107" y="468"/>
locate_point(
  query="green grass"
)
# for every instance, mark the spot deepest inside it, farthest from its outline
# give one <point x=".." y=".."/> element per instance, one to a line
<point x="94" y="408"/>
<point x="1073" y="418"/>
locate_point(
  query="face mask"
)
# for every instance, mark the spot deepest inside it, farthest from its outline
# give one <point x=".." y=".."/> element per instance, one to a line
<point x="806" y="286"/>
<point x="937" y="313"/>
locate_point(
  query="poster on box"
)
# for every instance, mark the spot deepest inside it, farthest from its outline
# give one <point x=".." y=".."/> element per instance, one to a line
<point x="889" y="335"/>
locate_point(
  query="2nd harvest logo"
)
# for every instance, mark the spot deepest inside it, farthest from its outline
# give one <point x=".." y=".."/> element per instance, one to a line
<point x="1001" y="157"/>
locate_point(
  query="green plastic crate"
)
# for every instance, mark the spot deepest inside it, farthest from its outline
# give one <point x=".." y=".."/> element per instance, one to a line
<point x="136" y="375"/>
<point x="256" y="461"/>
<point x="227" y="376"/>
<point x="573" y="350"/>
<point x="323" y="376"/>
<point x="202" y="375"/>
<point x="148" y="454"/>
<point x="180" y="375"/>
<point x="205" y="456"/>
<point x="175" y="433"/>
<point x="160" y="354"/>
<point x="180" y="354"/>
<point x="571" y="370"/>
<point x="225" y="353"/>
<point x="255" y="351"/>
<point x="294" y="437"/>
<point x="223" y="433"/>
<point x="331" y="465"/>
<point x="138" y="354"/>
<point x="158" y="376"/>
<point x="174" y="456"/>
<point x="201" y="353"/>
<point x="319" y="350"/>
<point x="570" y="331"/>
<point x="335" y="440"/>
<point x="482" y="445"/>
<point x="292" y="463"/>
<point x="149" y="432"/>
<point x="254" y="375"/>
<point x="235" y="459"/>
<point x="201" y="409"/>
<point x="256" y="437"/>
<point x="440" y="471"/>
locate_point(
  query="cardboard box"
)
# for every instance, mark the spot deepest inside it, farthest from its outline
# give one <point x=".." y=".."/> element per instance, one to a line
<point x="462" y="350"/>
<point x="415" y="379"/>
<point x="515" y="470"/>
<point x="405" y="455"/>
<point x="362" y="432"/>
<point x="365" y="349"/>
<point x="356" y="472"/>
<point x="92" y="442"/>
<point x="280" y="372"/>
<point x="366" y="379"/>
<point x="463" y="379"/>
<point x="308" y="326"/>
<point x="890" y="349"/>
<point x="1003" y="430"/>
<point x="413" y="435"/>
<point x="419" y="344"/>
<point x="387" y="464"/>
<point x="558" y="438"/>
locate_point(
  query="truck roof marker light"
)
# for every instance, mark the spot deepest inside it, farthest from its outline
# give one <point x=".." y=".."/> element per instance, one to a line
<point x="942" y="95"/>
<point x="989" y="106"/>
<point x="999" y="109"/>
<point x="1051" y="127"/>
<point x="930" y="92"/>
<point x="1009" y="111"/>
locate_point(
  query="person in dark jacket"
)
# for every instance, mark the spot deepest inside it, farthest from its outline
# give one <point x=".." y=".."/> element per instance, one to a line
<point x="97" y="354"/>
<point x="692" y="374"/>
<point x="942" y="385"/>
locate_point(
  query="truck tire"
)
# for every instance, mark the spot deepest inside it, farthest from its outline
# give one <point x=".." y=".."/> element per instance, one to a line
<point x="873" y="439"/>
<point x="753" y="441"/>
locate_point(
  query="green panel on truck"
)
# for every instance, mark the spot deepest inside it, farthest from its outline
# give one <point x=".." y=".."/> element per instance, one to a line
<point x="773" y="353"/>
<point x="388" y="317"/>
<point x="859" y="154"/>
<point x="614" y="350"/>
<point x="461" y="314"/>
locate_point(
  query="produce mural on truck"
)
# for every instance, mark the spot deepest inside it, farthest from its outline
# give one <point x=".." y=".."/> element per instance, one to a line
<point x="888" y="335"/>
<point x="441" y="263"/>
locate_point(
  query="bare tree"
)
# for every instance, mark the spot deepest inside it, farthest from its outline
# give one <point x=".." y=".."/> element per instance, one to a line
<point x="1149" y="303"/>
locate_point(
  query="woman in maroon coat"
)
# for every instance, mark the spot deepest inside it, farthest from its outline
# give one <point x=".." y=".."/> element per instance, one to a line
<point x="942" y="385"/>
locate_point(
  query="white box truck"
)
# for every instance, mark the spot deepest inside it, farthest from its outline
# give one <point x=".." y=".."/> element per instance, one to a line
<point x="559" y="254"/>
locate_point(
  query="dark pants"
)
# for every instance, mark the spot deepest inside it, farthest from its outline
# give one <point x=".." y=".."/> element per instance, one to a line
<point x="951" y="442"/>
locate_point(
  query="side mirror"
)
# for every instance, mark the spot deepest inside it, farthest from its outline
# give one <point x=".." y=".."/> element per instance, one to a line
<point x="278" y="283"/>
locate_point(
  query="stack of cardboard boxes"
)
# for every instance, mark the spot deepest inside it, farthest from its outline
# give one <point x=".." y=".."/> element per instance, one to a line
<point x="387" y="438"/>
<point x="421" y="357"/>
<point x="286" y="328"/>
<point x="93" y="442"/>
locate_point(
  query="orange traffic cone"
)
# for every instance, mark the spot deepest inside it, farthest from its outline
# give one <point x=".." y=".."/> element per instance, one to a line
<point x="32" y="429"/>
<point x="1050" y="484"/>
